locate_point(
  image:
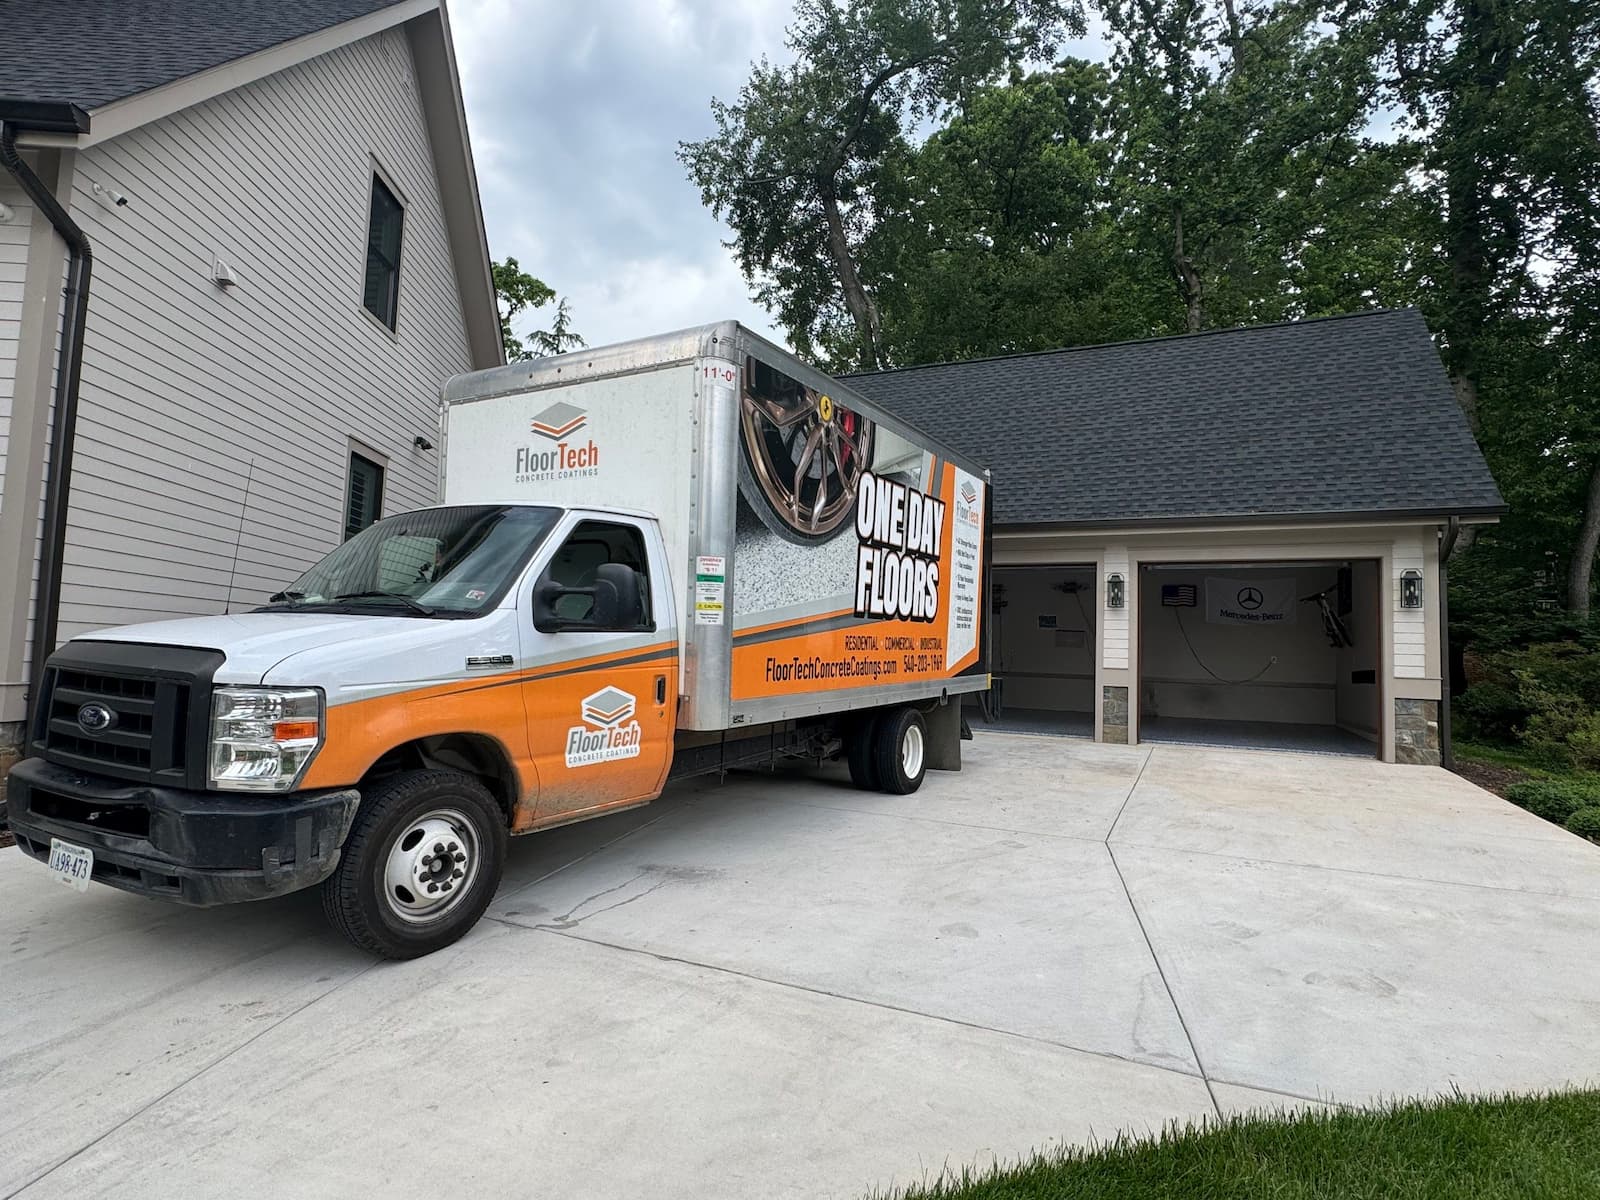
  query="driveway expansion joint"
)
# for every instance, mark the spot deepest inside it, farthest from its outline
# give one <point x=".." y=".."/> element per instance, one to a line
<point x="843" y="997"/>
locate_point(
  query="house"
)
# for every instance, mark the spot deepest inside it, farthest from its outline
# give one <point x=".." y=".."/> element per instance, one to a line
<point x="1232" y="537"/>
<point x="288" y="260"/>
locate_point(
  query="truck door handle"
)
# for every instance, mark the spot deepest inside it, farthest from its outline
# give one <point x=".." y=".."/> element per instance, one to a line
<point x="661" y="689"/>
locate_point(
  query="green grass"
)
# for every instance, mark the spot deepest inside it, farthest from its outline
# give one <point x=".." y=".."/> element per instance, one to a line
<point x="1545" y="1147"/>
<point x="1514" y="757"/>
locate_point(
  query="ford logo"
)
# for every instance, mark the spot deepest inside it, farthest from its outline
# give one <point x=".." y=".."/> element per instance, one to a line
<point x="96" y="718"/>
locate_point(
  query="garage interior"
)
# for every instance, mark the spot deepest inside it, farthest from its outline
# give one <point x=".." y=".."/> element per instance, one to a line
<point x="1044" y="643"/>
<point x="1246" y="655"/>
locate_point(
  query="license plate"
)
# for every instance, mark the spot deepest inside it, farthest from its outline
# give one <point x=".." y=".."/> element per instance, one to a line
<point x="72" y="865"/>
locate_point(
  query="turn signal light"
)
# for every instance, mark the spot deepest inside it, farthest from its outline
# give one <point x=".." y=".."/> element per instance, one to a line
<point x="294" y="731"/>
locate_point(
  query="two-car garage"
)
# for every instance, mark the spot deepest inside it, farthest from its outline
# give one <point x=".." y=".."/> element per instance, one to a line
<point x="1231" y="537"/>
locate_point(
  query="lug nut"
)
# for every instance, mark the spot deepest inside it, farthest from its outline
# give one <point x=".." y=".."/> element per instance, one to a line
<point x="454" y="847"/>
<point x="460" y="857"/>
<point x="458" y="874"/>
<point x="447" y="885"/>
<point x="438" y="847"/>
<point x="433" y="887"/>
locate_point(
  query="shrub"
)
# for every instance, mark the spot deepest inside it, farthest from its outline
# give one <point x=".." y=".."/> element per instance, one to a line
<point x="1490" y="711"/>
<point x="1586" y="823"/>
<point x="1555" y="799"/>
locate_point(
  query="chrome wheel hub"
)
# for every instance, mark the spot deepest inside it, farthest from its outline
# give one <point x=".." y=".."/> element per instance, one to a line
<point x="431" y="865"/>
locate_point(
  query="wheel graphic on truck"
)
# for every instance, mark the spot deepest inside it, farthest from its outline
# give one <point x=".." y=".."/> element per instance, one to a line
<point x="802" y="454"/>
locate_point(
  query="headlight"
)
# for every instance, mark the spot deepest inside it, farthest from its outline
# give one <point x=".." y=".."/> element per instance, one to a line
<point x="262" y="738"/>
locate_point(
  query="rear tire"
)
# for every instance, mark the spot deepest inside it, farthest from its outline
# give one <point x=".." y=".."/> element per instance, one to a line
<point x="900" y="750"/>
<point x="422" y="862"/>
<point x="862" y="754"/>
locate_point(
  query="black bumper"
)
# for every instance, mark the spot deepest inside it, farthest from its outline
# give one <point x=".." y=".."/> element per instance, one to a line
<point x="197" y="848"/>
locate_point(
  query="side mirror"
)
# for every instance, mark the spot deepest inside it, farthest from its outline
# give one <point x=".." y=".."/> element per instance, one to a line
<point x="617" y="602"/>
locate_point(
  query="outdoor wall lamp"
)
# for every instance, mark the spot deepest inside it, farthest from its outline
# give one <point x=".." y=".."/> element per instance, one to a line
<point x="1116" y="592"/>
<point x="1411" y="588"/>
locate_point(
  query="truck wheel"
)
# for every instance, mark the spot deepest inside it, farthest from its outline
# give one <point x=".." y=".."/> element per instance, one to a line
<point x="900" y="748"/>
<point x="861" y="752"/>
<point x="422" y="862"/>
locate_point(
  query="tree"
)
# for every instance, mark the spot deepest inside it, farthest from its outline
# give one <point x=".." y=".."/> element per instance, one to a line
<point x="792" y="165"/>
<point x="1230" y="116"/>
<point x="1505" y="92"/>
<point x="517" y="292"/>
<point x="559" y="338"/>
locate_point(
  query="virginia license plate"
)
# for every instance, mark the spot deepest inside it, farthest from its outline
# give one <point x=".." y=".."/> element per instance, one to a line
<point x="72" y="865"/>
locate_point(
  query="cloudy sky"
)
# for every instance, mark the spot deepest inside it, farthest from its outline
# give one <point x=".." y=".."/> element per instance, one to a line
<point x="576" y="110"/>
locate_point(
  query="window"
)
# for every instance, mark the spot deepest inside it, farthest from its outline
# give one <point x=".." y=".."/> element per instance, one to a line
<point x="590" y="546"/>
<point x="363" y="495"/>
<point x="381" y="293"/>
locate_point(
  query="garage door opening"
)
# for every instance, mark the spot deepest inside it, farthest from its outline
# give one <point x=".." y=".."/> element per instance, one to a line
<point x="1043" y="638"/>
<point x="1276" y="656"/>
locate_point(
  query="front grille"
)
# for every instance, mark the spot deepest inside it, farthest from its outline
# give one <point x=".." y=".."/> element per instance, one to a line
<point x="155" y="694"/>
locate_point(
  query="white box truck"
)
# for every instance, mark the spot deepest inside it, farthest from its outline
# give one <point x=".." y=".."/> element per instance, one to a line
<point x="661" y="559"/>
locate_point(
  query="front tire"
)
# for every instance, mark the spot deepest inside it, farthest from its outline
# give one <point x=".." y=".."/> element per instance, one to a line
<point x="421" y="864"/>
<point x="900" y="743"/>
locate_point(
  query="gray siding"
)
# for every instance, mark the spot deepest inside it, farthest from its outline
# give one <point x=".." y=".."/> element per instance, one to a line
<point x="185" y="383"/>
<point x="13" y="267"/>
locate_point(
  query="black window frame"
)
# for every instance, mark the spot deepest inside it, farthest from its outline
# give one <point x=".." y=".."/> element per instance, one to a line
<point x="380" y="282"/>
<point x="358" y="462"/>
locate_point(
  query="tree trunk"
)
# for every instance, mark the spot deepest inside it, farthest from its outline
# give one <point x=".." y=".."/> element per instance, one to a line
<point x="1191" y="287"/>
<point x="1581" y="573"/>
<point x="862" y="310"/>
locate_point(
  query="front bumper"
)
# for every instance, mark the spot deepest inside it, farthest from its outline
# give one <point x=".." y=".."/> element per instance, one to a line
<point x="198" y="848"/>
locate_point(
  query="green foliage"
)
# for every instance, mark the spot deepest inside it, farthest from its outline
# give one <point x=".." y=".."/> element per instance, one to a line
<point x="518" y="292"/>
<point x="798" y="158"/>
<point x="1546" y="695"/>
<point x="1554" y="799"/>
<point x="1586" y="823"/>
<point x="1487" y="1148"/>
<point x="1489" y="711"/>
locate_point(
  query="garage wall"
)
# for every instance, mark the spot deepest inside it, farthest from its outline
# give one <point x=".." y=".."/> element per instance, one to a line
<point x="1044" y="668"/>
<point x="1298" y="689"/>
<point x="1356" y="704"/>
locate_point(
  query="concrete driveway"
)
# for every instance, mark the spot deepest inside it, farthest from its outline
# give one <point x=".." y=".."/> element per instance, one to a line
<point x="785" y="987"/>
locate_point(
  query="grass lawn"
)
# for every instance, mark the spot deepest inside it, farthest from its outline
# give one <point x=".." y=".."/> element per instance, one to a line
<point x="1472" y="1149"/>
<point x="1497" y="767"/>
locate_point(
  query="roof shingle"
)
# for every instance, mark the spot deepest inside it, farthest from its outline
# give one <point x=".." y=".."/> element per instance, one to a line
<point x="1341" y="415"/>
<point x="91" y="52"/>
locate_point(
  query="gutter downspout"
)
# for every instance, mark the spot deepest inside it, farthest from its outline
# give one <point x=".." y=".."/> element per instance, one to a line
<point x="64" y="420"/>
<point x="1447" y="753"/>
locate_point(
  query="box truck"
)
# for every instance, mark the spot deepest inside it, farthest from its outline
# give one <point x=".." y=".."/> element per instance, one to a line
<point x="663" y="559"/>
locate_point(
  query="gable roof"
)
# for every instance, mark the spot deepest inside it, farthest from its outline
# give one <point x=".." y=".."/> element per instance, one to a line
<point x="1340" y="416"/>
<point x="92" y="52"/>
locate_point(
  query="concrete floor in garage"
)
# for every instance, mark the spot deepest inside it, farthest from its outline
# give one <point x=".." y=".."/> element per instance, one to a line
<point x="781" y="986"/>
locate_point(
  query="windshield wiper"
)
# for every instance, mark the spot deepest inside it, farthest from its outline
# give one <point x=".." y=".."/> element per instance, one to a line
<point x="413" y="605"/>
<point x="279" y="597"/>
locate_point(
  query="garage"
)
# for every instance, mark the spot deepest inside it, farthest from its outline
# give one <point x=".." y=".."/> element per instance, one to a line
<point x="1043" y="630"/>
<point x="1277" y="655"/>
<point x="1238" y="537"/>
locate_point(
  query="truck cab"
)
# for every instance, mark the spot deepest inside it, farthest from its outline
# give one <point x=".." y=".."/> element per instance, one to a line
<point x="451" y="675"/>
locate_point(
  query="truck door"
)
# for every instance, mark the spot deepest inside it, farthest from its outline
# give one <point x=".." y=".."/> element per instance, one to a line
<point x="602" y="690"/>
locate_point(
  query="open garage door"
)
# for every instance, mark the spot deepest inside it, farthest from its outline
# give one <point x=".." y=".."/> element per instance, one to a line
<point x="1044" y="638"/>
<point x="1263" y="655"/>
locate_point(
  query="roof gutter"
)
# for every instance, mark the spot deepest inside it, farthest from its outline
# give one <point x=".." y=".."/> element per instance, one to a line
<point x="69" y="368"/>
<point x="1447" y="544"/>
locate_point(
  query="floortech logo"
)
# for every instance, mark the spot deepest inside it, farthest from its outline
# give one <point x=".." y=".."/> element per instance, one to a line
<point x="609" y="731"/>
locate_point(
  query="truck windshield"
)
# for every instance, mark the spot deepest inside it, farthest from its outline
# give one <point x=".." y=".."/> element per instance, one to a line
<point x="436" y="562"/>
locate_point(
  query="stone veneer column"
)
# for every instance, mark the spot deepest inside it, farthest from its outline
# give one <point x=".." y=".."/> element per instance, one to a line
<point x="1114" y="714"/>
<point x="1416" y="732"/>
